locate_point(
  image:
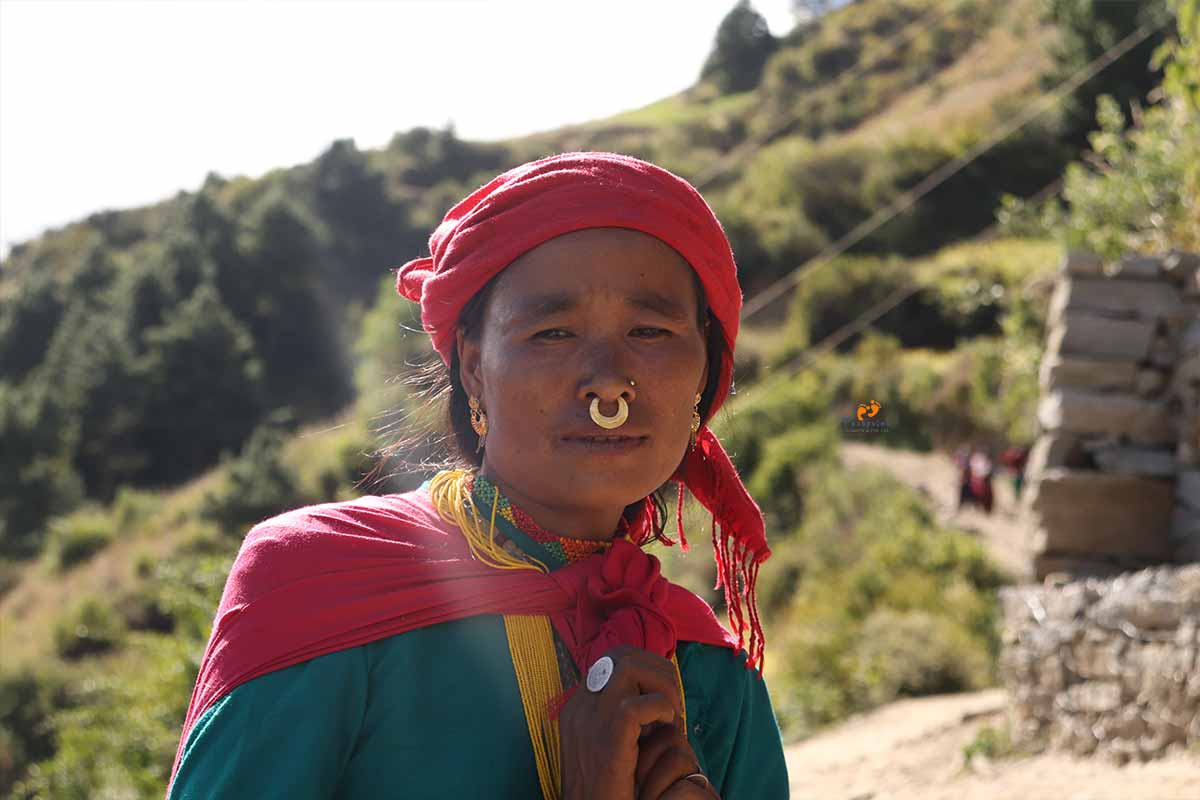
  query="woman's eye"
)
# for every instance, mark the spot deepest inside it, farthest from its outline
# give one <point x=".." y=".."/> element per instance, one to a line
<point x="649" y="333"/>
<point x="551" y="333"/>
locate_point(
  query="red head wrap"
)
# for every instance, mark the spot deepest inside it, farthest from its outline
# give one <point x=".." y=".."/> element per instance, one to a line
<point x="538" y="201"/>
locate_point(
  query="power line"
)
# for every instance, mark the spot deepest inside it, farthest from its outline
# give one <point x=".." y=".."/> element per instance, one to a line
<point x="902" y="293"/>
<point x="906" y="200"/>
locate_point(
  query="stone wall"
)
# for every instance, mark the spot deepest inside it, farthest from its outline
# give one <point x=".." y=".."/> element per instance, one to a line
<point x="1106" y="666"/>
<point x="1114" y="477"/>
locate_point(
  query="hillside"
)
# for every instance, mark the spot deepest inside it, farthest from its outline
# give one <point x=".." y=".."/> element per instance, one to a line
<point x="171" y="375"/>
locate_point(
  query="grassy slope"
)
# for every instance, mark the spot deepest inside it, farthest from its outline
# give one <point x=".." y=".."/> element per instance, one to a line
<point x="1003" y="63"/>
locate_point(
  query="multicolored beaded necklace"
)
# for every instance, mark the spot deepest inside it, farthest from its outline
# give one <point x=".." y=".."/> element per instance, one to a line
<point x="526" y="538"/>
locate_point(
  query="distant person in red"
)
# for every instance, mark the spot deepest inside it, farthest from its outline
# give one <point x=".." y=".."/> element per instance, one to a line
<point x="1014" y="458"/>
<point x="981" y="469"/>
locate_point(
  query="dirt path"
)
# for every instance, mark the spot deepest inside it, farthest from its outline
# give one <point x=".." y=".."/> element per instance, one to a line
<point x="935" y="476"/>
<point x="913" y="750"/>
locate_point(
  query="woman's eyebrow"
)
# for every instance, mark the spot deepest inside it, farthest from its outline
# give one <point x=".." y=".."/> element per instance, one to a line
<point x="659" y="304"/>
<point x="536" y="306"/>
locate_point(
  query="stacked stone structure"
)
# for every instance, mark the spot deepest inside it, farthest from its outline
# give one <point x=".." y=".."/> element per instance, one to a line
<point x="1115" y="474"/>
<point x="1100" y="659"/>
<point x="1106" y="666"/>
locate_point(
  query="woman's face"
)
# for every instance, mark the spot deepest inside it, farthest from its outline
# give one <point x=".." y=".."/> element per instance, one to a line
<point x="577" y="318"/>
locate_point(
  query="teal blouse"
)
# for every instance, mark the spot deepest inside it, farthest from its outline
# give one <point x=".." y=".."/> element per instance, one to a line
<point x="437" y="713"/>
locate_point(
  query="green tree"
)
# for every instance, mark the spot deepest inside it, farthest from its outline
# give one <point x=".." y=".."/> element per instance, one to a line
<point x="202" y="388"/>
<point x="741" y="49"/>
<point x="27" y="323"/>
<point x="274" y="288"/>
<point x="37" y="476"/>
<point x="369" y="232"/>
<point x="1139" y="189"/>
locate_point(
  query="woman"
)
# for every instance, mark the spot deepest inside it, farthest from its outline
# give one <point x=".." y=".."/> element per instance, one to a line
<point x="500" y="632"/>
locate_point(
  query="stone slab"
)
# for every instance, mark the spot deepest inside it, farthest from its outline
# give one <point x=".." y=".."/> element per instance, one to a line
<point x="1075" y="411"/>
<point x="1151" y="381"/>
<point x="1136" y="268"/>
<point x="1187" y="369"/>
<point x="1149" y="461"/>
<point x="1081" y="262"/>
<point x="1116" y="298"/>
<point x="1060" y="371"/>
<point x="1187" y="552"/>
<point x="1100" y="515"/>
<point x="1190" y="340"/>
<point x="1187" y="488"/>
<point x="1093" y="336"/>
<point x="1180" y="266"/>
<point x="1185" y="524"/>
<point x="1055" y="449"/>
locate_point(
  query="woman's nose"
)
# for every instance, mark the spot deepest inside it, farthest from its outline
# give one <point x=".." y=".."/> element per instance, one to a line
<point x="608" y="380"/>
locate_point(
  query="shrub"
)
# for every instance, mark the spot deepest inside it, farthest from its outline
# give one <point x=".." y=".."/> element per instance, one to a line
<point x="118" y="740"/>
<point x="885" y="603"/>
<point x="91" y="626"/>
<point x="28" y="701"/>
<point x="778" y="481"/>
<point x="907" y="654"/>
<point x="142" y="609"/>
<point x="10" y="576"/>
<point x="131" y="507"/>
<point x="79" y="535"/>
<point x="257" y="485"/>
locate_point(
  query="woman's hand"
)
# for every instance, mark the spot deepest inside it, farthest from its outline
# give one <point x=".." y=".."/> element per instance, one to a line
<point x="600" y="730"/>
<point x="665" y="758"/>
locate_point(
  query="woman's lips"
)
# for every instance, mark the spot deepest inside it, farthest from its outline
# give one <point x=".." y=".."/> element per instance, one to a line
<point x="606" y="443"/>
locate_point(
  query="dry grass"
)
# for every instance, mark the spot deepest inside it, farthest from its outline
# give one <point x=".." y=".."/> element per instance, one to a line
<point x="1006" y="63"/>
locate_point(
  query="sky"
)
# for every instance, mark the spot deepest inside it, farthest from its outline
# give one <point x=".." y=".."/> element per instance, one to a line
<point x="109" y="105"/>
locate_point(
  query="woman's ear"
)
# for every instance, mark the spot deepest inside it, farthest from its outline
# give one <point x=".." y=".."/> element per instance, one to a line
<point x="469" y="367"/>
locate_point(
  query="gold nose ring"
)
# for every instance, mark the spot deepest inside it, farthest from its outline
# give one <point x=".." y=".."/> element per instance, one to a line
<point x="616" y="420"/>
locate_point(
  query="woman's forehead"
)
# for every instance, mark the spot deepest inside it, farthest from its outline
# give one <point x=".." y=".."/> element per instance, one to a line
<point x="600" y="261"/>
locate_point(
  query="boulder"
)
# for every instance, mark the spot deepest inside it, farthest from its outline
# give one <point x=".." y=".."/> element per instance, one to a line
<point x="1096" y="337"/>
<point x="1093" y="697"/>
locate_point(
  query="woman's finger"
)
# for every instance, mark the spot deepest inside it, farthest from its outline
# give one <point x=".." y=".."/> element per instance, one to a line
<point x="638" y="671"/>
<point x="674" y="763"/>
<point x="654" y="742"/>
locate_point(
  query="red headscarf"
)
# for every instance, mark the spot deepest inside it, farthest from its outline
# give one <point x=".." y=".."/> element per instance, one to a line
<point x="538" y="201"/>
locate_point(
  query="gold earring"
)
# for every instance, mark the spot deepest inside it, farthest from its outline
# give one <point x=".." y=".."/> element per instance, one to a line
<point x="695" y="422"/>
<point x="478" y="421"/>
